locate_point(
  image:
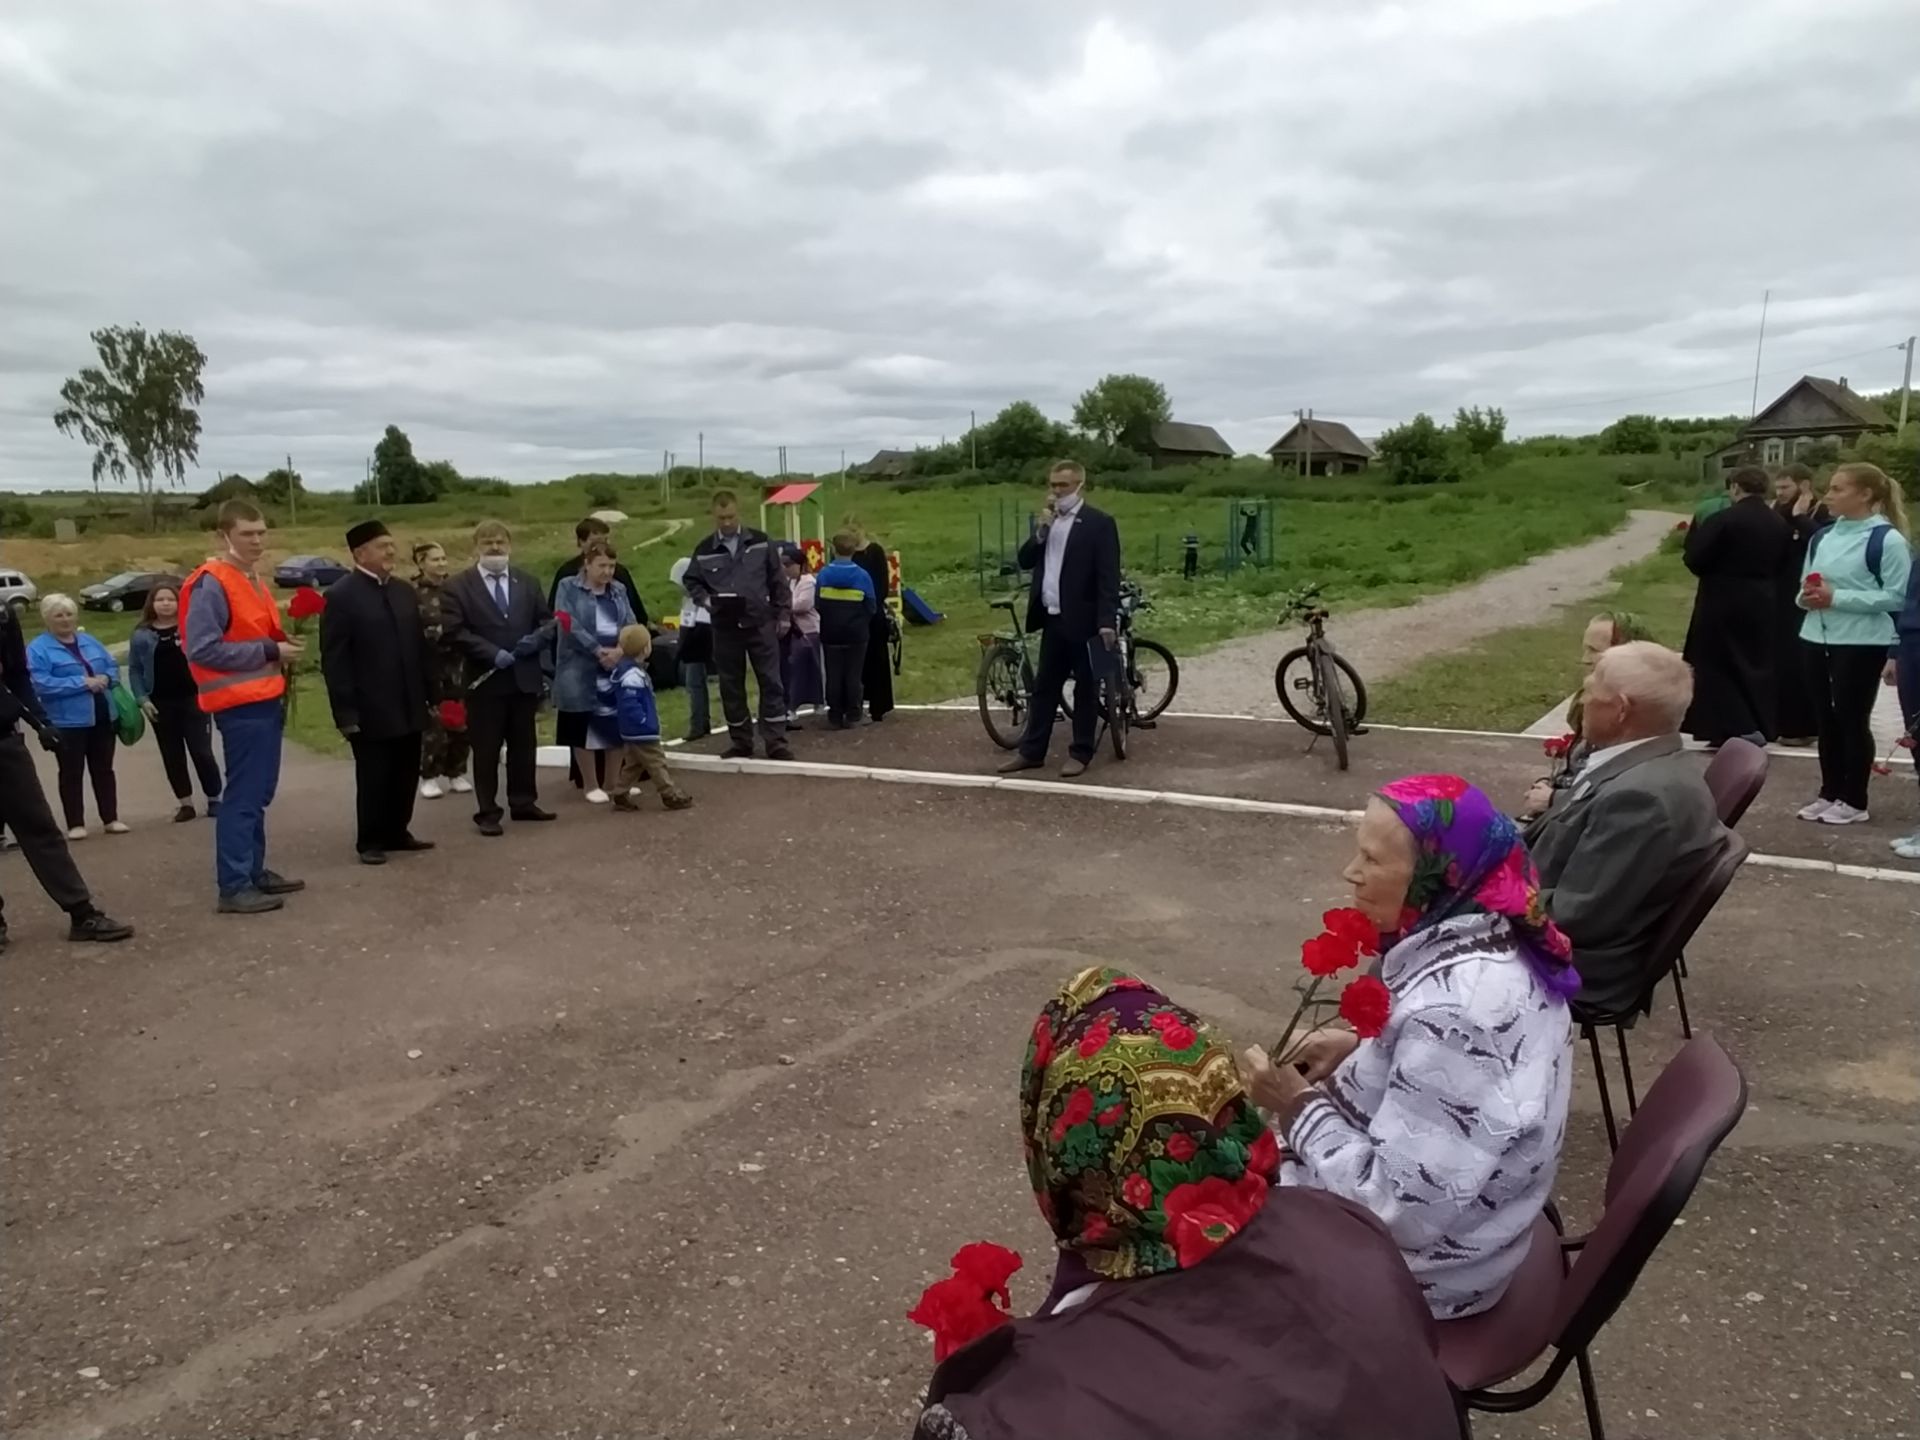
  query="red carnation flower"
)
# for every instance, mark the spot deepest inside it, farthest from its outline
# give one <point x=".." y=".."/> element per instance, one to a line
<point x="565" y="622"/>
<point x="989" y="1266"/>
<point x="1813" y="579"/>
<point x="962" y="1308"/>
<point x="1263" y="1156"/>
<point x="1327" y="955"/>
<point x="1203" y="1215"/>
<point x="1350" y="924"/>
<point x="1364" y="1005"/>
<point x="1137" y="1191"/>
<point x="1180" y="1146"/>
<point x="1683" y="525"/>
<point x="1558" y="747"/>
<point x="306" y="603"/>
<point x="453" y="714"/>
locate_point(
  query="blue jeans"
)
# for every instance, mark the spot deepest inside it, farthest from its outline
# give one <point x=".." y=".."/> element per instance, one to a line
<point x="699" y="719"/>
<point x="250" y="735"/>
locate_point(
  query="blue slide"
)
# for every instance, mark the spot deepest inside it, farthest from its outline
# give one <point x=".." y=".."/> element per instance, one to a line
<point x="918" y="612"/>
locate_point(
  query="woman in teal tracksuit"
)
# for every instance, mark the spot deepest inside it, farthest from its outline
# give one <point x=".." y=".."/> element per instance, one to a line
<point x="1853" y="584"/>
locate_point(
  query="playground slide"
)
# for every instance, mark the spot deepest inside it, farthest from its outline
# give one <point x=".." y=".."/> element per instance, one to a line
<point x="917" y="610"/>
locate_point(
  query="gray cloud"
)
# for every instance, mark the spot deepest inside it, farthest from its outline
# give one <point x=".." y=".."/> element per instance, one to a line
<point x="544" y="238"/>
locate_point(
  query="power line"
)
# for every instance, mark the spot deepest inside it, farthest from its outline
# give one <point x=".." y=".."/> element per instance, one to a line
<point x="1708" y="385"/>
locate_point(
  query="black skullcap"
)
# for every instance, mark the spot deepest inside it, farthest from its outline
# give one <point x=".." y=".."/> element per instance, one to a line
<point x="363" y="532"/>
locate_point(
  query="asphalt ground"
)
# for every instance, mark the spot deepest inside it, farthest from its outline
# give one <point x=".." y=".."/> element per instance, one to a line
<point x="701" y="1101"/>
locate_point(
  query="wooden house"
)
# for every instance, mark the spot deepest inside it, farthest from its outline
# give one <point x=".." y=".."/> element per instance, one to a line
<point x="1322" y="447"/>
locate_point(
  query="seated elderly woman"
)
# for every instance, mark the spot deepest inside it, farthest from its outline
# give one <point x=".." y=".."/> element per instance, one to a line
<point x="1188" y="1296"/>
<point x="1447" y="1126"/>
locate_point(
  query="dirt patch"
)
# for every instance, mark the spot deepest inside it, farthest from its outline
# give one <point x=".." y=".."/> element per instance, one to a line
<point x="1237" y="677"/>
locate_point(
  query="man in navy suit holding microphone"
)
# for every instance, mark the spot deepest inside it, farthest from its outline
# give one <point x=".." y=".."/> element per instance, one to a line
<point x="1074" y="555"/>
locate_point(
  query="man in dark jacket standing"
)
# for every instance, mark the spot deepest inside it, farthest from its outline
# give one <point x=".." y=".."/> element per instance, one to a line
<point x="379" y="671"/>
<point x="737" y="578"/>
<point x="1074" y="555"/>
<point x="502" y="623"/>
<point x="1738" y="555"/>
<point x="23" y="802"/>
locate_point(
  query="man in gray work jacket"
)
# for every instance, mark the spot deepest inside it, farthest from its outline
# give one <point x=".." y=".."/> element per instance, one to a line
<point x="735" y="575"/>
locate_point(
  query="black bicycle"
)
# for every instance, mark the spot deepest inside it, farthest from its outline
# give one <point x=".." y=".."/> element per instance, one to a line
<point x="1139" y="687"/>
<point x="1318" y="688"/>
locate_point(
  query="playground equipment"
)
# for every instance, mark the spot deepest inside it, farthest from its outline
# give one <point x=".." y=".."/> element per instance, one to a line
<point x="1249" y="536"/>
<point x="797" y="502"/>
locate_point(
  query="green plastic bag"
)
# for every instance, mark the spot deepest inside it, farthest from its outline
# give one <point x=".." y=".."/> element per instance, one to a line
<point x="129" y="722"/>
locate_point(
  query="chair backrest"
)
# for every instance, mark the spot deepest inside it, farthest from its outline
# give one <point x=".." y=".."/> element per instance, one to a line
<point x="1691" y="1108"/>
<point x="1736" y="776"/>
<point x="1696" y="902"/>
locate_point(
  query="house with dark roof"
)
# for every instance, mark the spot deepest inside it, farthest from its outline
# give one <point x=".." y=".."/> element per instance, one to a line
<point x="886" y="464"/>
<point x="1321" y="447"/>
<point x="1811" y="411"/>
<point x="1178" y="443"/>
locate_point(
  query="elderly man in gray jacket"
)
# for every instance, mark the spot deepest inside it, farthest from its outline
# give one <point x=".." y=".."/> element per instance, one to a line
<point x="1632" y="828"/>
<point x="735" y="575"/>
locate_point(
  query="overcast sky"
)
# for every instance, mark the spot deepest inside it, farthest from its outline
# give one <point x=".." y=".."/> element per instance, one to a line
<point x="546" y="238"/>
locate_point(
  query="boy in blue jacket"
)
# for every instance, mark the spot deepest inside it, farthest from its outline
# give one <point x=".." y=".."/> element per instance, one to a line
<point x="638" y="716"/>
<point x="844" y="600"/>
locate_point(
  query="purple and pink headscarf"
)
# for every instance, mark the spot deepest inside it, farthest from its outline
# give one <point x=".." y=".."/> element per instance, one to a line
<point x="1472" y="861"/>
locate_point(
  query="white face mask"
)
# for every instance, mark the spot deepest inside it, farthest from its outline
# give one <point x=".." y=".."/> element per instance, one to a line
<point x="495" y="564"/>
<point x="1067" y="504"/>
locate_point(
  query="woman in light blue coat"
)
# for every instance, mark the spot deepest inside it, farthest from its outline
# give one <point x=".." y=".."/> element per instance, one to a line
<point x="72" y="673"/>
<point x="586" y="650"/>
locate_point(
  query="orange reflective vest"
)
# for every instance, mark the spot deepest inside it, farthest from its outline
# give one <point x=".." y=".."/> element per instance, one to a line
<point x="251" y="615"/>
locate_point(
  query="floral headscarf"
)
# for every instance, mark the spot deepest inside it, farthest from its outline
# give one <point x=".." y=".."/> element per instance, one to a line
<point x="1473" y="862"/>
<point x="1145" y="1153"/>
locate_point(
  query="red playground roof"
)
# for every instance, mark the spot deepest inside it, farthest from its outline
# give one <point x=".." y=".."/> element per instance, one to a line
<point x="792" y="494"/>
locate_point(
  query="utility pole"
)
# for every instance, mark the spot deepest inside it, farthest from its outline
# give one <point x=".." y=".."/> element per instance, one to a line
<point x="843" y="466"/>
<point x="293" y="495"/>
<point x="666" y="476"/>
<point x="1906" y="390"/>
<point x="1754" y="408"/>
<point x="973" y="442"/>
<point x="372" y="483"/>
<point x="703" y="460"/>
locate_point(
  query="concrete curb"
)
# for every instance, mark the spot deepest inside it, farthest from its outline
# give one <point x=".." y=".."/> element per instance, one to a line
<point x="1229" y="804"/>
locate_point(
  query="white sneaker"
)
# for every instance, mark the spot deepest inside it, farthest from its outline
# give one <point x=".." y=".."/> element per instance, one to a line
<point x="117" y="827"/>
<point x="634" y="792"/>
<point x="430" y="790"/>
<point x="1817" y="810"/>
<point x="78" y="832"/>
<point x="460" y="785"/>
<point x="1908" y="848"/>
<point x="1844" y="814"/>
<point x="597" y="796"/>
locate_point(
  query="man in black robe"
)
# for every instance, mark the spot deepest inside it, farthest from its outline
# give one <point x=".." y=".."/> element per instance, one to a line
<point x="1795" y="713"/>
<point x="1737" y="553"/>
<point x="379" y="671"/>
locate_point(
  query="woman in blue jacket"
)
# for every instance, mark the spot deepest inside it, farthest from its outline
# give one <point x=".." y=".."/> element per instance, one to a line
<point x="72" y="672"/>
<point x="596" y="608"/>
<point x="1853" y="584"/>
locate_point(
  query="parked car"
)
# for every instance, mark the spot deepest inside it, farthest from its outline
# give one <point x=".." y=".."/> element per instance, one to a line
<point x="315" y="570"/>
<point x="17" y="590"/>
<point x="126" y="591"/>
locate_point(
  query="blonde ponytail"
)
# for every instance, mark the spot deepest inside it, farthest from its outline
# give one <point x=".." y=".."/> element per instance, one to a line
<point x="1886" y="495"/>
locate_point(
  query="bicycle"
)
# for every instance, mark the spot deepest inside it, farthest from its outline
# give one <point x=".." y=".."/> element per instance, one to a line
<point x="1144" y="686"/>
<point x="1335" y="695"/>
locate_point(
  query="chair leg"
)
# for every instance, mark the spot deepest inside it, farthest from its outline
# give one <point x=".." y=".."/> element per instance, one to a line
<point x="1606" y="1097"/>
<point x="1592" y="1399"/>
<point x="1680" y="964"/>
<point x="1680" y="994"/>
<point x="1626" y="1070"/>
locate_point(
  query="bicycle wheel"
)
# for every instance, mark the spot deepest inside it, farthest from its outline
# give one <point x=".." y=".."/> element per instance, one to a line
<point x="1336" y="705"/>
<point x="1002" y="688"/>
<point x="1303" y="693"/>
<point x="1118" y="712"/>
<point x="1154" y="675"/>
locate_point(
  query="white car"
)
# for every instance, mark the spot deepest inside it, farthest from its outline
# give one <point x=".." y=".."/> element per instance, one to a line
<point x="17" y="590"/>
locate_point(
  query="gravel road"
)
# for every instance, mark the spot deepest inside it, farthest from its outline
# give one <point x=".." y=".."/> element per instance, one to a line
<point x="1237" y="677"/>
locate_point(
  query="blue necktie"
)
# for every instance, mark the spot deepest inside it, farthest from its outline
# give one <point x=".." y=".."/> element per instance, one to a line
<point x="499" y="583"/>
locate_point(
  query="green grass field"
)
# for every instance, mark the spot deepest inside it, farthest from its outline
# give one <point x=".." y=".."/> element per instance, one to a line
<point x="1366" y="542"/>
<point x="1509" y="680"/>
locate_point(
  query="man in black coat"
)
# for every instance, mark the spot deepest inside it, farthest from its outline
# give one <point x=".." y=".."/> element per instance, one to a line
<point x="1737" y="553"/>
<point x="1074" y="555"/>
<point x="23" y="800"/>
<point x="379" y="671"/>
<point x="501" y="622"/>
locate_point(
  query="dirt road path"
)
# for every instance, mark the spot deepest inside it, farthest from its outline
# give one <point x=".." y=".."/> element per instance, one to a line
<point x="1237" y="678"/>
